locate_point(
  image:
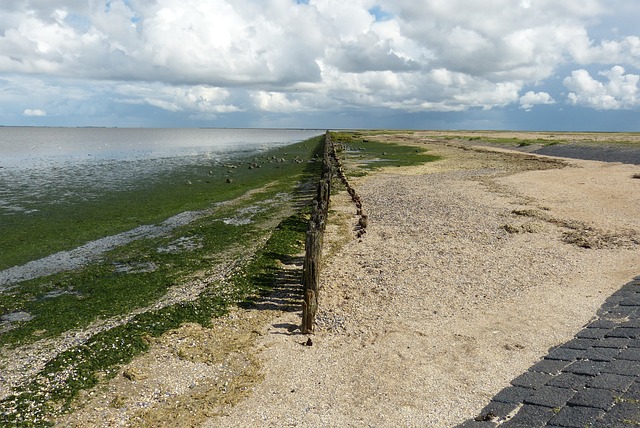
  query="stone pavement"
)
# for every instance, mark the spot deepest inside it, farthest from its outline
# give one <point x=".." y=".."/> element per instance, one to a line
<point x="591" y="381"/>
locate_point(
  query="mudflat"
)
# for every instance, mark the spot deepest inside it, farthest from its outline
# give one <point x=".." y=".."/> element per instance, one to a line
<point x="471" y="269"/>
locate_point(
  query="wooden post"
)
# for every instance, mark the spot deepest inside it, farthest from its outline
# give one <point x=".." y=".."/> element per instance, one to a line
<point x="315" y="233"/>
<point x="311" y="277"/>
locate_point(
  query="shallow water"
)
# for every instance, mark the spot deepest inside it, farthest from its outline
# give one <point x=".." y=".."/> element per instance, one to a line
<point x="67" y="260"/>
<point x="629" y="155"/>
<point x="73" y="165"/>
<point x="54" y="173"/>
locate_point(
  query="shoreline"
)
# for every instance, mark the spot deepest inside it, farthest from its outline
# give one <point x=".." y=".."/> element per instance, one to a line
<point x="420" y="321"/>
<point x="73" y="328"/>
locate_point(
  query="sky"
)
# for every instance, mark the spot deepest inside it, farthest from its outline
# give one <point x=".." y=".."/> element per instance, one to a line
<point x="570" y="65"/>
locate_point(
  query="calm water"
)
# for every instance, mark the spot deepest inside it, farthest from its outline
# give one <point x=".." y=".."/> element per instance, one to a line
<point x="71" y="164"/>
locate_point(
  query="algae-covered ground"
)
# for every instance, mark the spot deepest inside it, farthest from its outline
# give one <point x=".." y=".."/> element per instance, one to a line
<point x="70" y="330"/>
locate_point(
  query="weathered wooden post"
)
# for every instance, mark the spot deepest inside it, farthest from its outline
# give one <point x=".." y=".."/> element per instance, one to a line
<point x="313" y="244"/>
<point x="311" y="277"/>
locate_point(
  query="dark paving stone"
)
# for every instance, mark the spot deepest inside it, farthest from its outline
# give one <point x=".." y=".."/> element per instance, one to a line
<point x="614" y="299"/>
<point x="611" y="303"/>
<point x="530" y="417"/>
<point x="619" y="313"/>
<point x="592" y="333"/>
<point x="600" y="424"/>
<point x="633" y="332"/>
<point x="629" y="156"/>
<point x="602" y="354"/>
<point x="549" y="366"/>
<point x="610" y="381"/>
<point x="594" y="397"/>
<point x="635" y="323"/>
<point x="623" y="295"/>
<point x="631" y="301"/>
<point x="591" y="381"/>
<point x="613" y="342"/>
<point x="623" y="332"/>
<point x="623" y="367"/>
<point x="581" y="343"/>
<point x="622" y="415"/>
<point x="550" y="396"/>
<point x="586" y="367"/>
<point x="633" y="392"/>
<point x="531" y="380"/>
<point x="565" y="354"/>
<point x="576" y="417"/>
<point x="570" y="380"/>
<point x="632" y="354"/>
<point x="600" y="323"/>
<point x="513" y="394"/>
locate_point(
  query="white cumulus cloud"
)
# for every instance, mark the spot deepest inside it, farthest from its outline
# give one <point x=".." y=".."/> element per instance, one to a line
<point x="626" y="50"/>
<point x="530" y="99"/>
<point x="208" y="58"/>
<point x="619" y="91"/>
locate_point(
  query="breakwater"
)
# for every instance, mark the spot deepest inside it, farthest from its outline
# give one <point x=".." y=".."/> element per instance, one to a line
<point x="317" y="225"/>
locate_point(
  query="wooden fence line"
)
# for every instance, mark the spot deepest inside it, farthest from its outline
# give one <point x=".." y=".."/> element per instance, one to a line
<point x="316" y="228"/>
<point x="313" y="244"/>
<point x="361" y="228"/>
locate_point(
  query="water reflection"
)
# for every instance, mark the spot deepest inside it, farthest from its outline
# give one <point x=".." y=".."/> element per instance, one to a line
<point x="75" y="165"/>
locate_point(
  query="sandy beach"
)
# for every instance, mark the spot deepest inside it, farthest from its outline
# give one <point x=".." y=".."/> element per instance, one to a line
<point x="471" y="269"/>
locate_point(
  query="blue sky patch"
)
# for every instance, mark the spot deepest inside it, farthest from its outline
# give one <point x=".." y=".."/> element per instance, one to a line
<point x="380" y="14"/>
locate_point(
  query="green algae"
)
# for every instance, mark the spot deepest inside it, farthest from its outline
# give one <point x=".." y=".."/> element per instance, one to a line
<point x="233" y="261"/>
<point x="136" y="275"/>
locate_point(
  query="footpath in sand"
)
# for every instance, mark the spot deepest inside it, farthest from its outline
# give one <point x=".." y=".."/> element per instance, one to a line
<point x="471" y="269"/>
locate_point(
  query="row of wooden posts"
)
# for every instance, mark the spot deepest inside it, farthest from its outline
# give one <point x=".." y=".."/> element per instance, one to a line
<point x="361" y="228"/>
<point x="316" y="228"/>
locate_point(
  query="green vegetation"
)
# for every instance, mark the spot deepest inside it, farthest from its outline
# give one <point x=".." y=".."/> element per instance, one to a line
<point x="81" y="367"/>
<point x="53" y="227"/>
<point x="123" y="287"/>
<point x="371" y="155"/>
<point x="126" y="278"/>
<point x="135" y="276"/>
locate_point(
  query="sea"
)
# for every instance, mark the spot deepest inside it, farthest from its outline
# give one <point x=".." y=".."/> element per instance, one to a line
<point x="52" y="162"/>
<point x="49" y="165"/>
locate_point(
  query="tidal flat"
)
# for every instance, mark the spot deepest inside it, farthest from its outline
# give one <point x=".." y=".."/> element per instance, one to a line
<point x="230" y="226"/>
